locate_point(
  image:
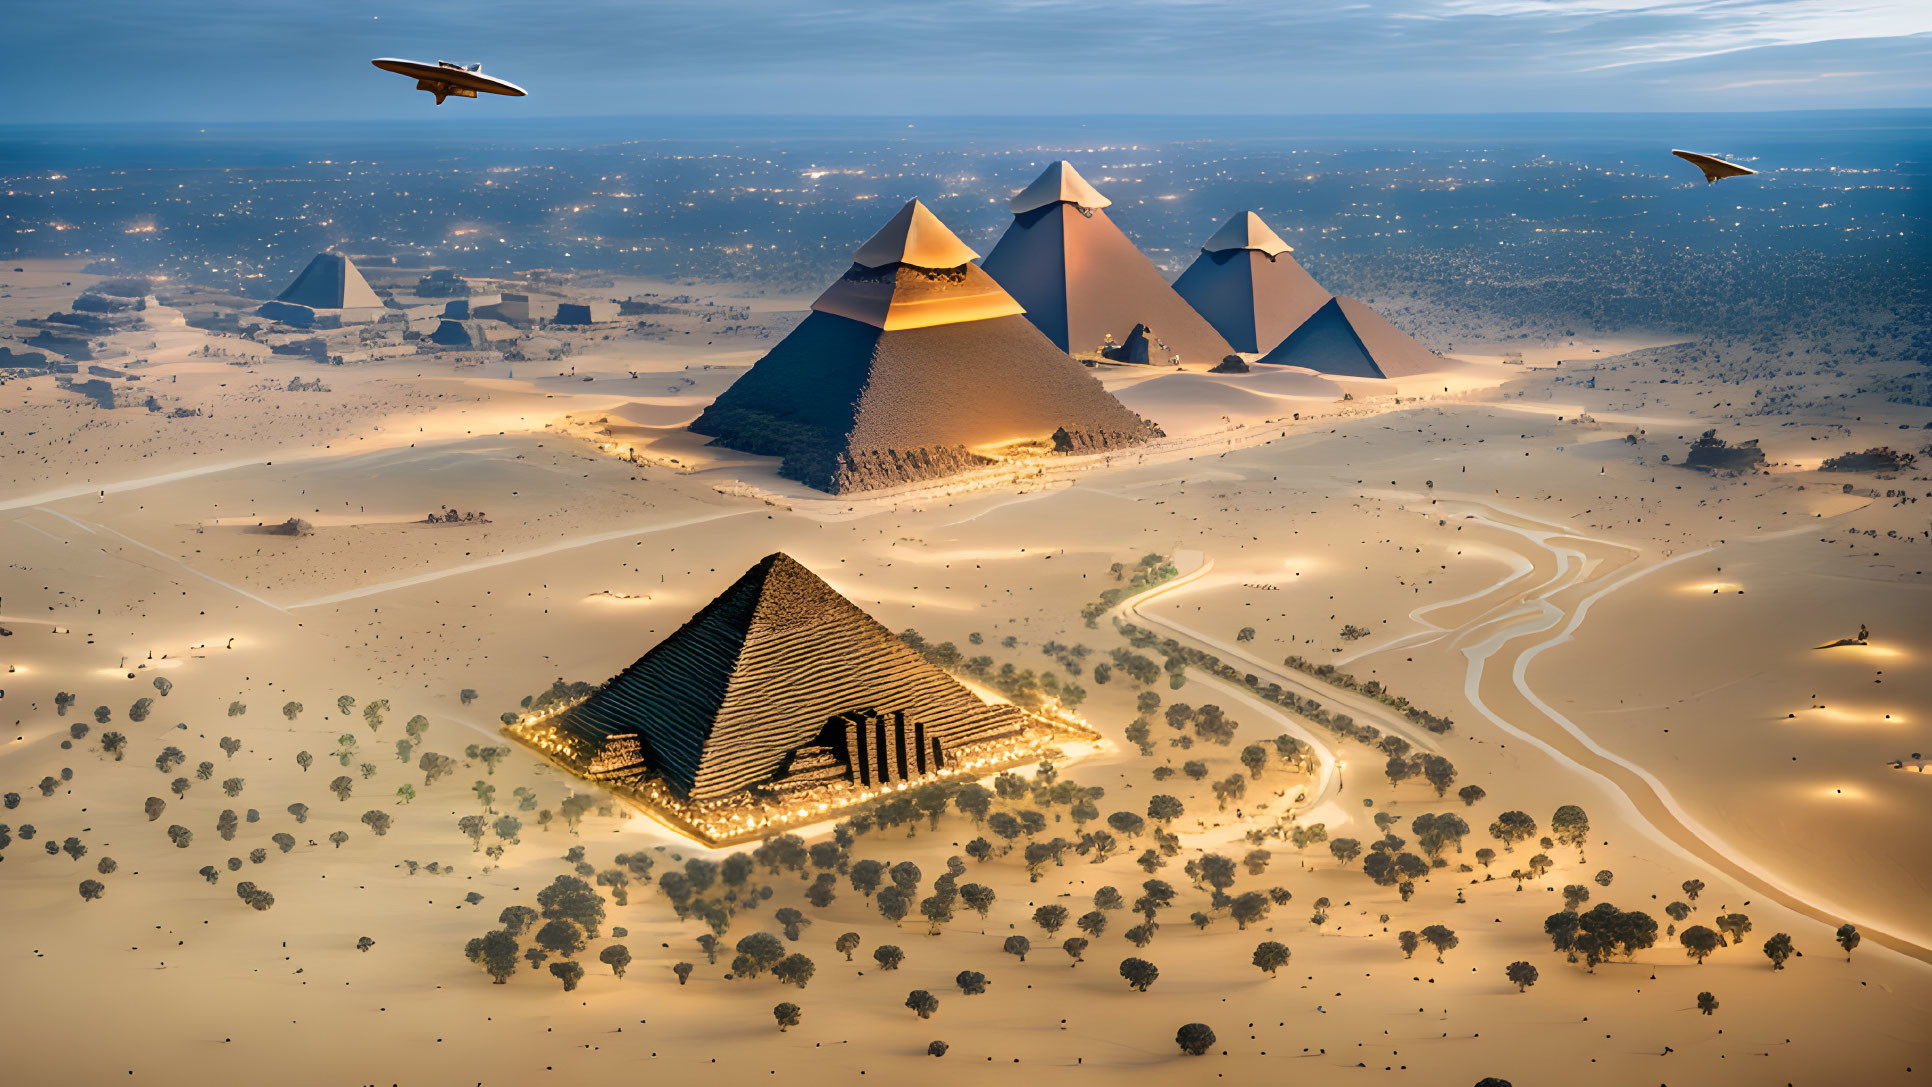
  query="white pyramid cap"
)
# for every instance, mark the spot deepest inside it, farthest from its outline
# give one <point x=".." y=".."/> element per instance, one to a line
<point x="1059" y="183"/>
<point x="1245" y="230"/>
<point x="915" y="236"/>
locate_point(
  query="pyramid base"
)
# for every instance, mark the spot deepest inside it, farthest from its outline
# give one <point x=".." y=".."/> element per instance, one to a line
<point x="759" y="812"/>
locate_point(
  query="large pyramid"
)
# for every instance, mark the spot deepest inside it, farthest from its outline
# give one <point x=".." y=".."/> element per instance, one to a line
<point x="913" y="365"/>
<point x="781" y="685"/>
<point x="1249" y="286"/>
<point x="1081" y="280"/>
<point x="330" y="291"/>
<point x="331" y="281"/>
<point x="1348" y="339"/>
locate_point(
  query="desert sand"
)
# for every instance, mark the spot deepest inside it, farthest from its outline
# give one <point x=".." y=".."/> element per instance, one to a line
<point x="1604" y="628"/>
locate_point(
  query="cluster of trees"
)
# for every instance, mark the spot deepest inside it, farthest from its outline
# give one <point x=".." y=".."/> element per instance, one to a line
<point x="1023" y="686"/>
<point x="572" y="913"/>
<point x="1328" y="674"/>
<point x="1440" y="938"/>
<point x="1179" y="658"/>
<point x="1600" y="933"/>
<point x="1151" y="570"/>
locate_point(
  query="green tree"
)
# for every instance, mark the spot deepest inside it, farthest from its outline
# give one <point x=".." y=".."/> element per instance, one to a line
<point x="1140" y="973"/>
<point x="1270" y="956"/>
<point x="496" y="953"/>
<point x="1778" y="948"/>
<point x="1848" y="939"/>
<point x="978" y="897"/>
<point x="888" y="956"/>
<point x="1195" y="1039"/>
<point x="561" y="936"/>
<point x="923" y="1002"/>
<point x="1050" y="918"/>
<point x="1511" y="827"/>
<point x="1408" y="941"/>
<point x="569" y="973"/>
<point x="1248" y="908"/>
<point x="1734" y="925"/>
<point x="1571" y="826"/>
<point x="970" y="982"/>
<point x="1699" y="942"/>
<point x="1706" y="1003"/>
<point x="342" y="786"/>
<point x="572" y="898"/>
<point x="1522" y="974"/>
<point x="757" y="953"/>
<point x="787" y="1015"/>
<point x="794" y="969"/>
<point x="1164" y="809"/>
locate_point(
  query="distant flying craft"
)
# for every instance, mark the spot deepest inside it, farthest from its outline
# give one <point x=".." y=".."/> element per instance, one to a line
<point x="446" y="80"/>
<point x="1713" y="168"/>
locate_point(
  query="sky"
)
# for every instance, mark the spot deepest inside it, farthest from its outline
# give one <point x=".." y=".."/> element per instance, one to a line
<point x="268" y="60"/>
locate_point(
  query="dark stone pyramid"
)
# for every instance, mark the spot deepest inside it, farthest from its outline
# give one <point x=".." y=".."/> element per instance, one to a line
<point x="1082" y="280"/>
<point x="1249" y="286"/>
<point x="331" y="281"/>
<point x="1348" y="339"/>
<point x="769" y="683"/>
<point x="904" y="373"/>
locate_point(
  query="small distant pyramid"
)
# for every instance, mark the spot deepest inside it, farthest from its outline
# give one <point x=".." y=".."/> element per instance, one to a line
<point x="1248" y="286"/>
<point x="909" y="369"/>
<point x="1348" y="339"/>
<point x="1081" y="280"/>
<point x="781" y="684"/>
<point x="331" y="281"/>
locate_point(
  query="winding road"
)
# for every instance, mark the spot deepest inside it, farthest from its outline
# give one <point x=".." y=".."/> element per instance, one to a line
<point x="1563" y="575"/>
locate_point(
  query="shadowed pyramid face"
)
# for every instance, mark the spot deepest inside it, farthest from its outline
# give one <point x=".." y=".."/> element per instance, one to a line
<point x="905" y="372"/>
<point x="726" y="700"/>
<point x="1083" y="282"/>
<point x="1249" y="286"/>
<point x="331" y="281"/>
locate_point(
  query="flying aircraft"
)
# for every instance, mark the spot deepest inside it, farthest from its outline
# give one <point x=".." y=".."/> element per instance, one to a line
<point x="446" y="80"/>
<point x="1713" y="168"/>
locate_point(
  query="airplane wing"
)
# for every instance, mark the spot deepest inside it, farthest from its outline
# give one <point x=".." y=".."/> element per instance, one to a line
<point x="1713" y="167"/>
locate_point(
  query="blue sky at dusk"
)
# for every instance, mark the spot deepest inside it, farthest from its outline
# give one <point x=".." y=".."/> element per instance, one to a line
<point x="263" y="60"/>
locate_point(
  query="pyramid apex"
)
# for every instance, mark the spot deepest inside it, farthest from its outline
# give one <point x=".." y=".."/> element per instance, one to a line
<point x="915" y="236"/>
<point x="1245" y="230"/>
<point x="1059" y="183"/>
<point x="330" y="281"/>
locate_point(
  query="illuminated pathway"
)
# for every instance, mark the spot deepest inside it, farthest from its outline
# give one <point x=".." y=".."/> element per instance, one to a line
<point x="1574" y="568"/>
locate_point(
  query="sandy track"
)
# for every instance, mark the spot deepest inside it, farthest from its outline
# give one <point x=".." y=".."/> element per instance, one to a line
<point x="1571" y="572"/>
<point x="517" y="556"/>
<point x="1506" y="698"/>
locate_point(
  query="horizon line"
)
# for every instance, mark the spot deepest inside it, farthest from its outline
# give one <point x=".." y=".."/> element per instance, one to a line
<point x="458" y="119"/>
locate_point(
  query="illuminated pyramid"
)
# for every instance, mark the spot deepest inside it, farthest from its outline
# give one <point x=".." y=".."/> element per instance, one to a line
<point x="782" y="686"/>
<point x="914" y="365"/>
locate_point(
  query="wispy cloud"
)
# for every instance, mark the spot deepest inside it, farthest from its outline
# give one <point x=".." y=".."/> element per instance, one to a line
<point x="264" y="59"/>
